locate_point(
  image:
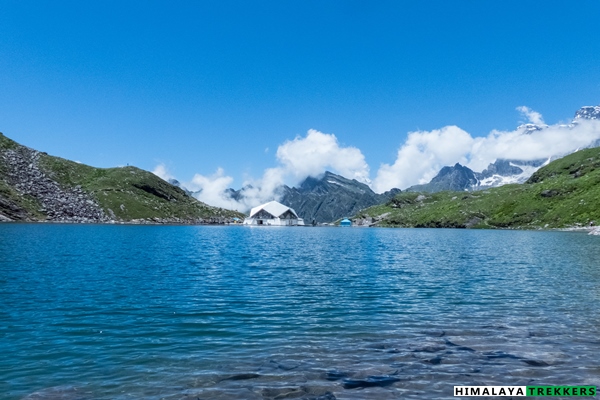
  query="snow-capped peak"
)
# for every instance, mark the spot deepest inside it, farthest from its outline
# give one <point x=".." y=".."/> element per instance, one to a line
<point x="588" y="112"/>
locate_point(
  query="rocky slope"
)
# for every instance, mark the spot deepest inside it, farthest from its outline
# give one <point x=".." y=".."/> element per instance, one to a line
<point x="504" y="172"/>
<point x="499" y="173"/>
<point x="28" y="193"/>
<point x="457" y="177"/>
<point x="588" y="112"/>
<point x="331" y="197"/>
<point x="37" y="187"/>
<point x="564" y="193"/>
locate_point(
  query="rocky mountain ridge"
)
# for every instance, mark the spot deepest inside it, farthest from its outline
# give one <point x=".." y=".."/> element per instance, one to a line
<point x="23" y="172"/>
<point x="502" y="171"/>
<point x="331" y="197"/>
<point x="562" y="194"/>
<point x="37" y="187"/>
<point x="588" y="112"/>
<point x="457" y="177"/>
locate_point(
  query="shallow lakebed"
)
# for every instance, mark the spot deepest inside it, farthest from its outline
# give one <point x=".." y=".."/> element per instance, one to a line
<point x="214" y="312"/>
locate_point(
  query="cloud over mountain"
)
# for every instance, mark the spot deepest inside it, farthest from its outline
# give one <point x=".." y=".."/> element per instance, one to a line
<point x="162" y="172"/>
<point x="298" y="159"/>
<point x="418" y="159"/>
<point x="533" y="117"/>
<point x="422" y="155"/>
<point x="425" y="152"/>
<point x="313" y="154"/>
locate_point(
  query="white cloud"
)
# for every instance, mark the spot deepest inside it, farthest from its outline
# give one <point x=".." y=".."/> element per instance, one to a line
<point x="317" y="152"/>
<point x="299" y="158"/>
<point x="162" y="172"/>
<point x="533" y="117"/>
<point x="422" y="156"/>
<point x="418" y="160"/>
<point x="554" y="140"/>
<point x="424" y="153"/>
<point x="211" y="189"/>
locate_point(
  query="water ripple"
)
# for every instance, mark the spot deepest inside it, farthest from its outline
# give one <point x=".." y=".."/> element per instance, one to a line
<point x="121" y="312"/>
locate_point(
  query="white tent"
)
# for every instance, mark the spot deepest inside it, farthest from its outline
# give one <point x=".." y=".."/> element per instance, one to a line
<point x="273" y="213"/>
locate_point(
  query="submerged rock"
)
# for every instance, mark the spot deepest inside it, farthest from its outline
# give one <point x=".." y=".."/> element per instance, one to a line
<point x="500" y="354"/>
<point x="282" y="392"/>
<point x="324" y="396"/>
<point x="429" y="349"/>
<point x="240" y="377"/>
<point x="371" y="381"/>
<point x="58" y="393"/>
<point x="459" y="347"/>
<point x="434" y="361"/>
<point x="535" y="363"/>
<point x="334" y="375"/>
<point x="285" y="366"/>
<point x="434" y="333"/>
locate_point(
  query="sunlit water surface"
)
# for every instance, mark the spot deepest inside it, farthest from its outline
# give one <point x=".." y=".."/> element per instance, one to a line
<point x="186" y="312"/>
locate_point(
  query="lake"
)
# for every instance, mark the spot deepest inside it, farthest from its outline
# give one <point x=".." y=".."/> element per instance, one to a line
<point x="232" y="312"/>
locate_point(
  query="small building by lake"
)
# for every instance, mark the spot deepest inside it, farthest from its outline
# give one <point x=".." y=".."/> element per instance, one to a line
<point x="345" y="222"/>
<point x="273" y="213"/>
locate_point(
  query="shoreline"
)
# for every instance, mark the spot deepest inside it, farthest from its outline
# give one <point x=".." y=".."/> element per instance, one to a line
<point x="590" y="230"/>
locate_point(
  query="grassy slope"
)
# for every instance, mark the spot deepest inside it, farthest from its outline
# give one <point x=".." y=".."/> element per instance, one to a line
<point x="564" y="193"/>
<point x="131" y="193"/>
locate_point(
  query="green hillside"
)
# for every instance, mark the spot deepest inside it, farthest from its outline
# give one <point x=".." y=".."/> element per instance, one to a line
<point x="33" y="185"/>
<point x="565" y="193"/>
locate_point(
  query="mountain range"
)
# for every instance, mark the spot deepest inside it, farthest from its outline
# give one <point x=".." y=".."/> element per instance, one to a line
<point x="37" y="187"/>
<point x="330" y="197"/>
<point x="500" y="172"/>
<point x="563" y="194"/>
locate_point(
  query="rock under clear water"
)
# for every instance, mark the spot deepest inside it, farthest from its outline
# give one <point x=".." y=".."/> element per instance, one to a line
<point x="185" y="312"/>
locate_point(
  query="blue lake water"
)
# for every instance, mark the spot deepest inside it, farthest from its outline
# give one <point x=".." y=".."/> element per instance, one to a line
<point x="209" y="312"/>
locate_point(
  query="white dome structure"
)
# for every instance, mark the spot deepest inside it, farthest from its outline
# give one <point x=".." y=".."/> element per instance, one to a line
<point x="273" y="213"/>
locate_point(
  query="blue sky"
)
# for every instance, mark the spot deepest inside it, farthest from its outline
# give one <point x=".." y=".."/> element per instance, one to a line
<point x="198" y="85"/>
